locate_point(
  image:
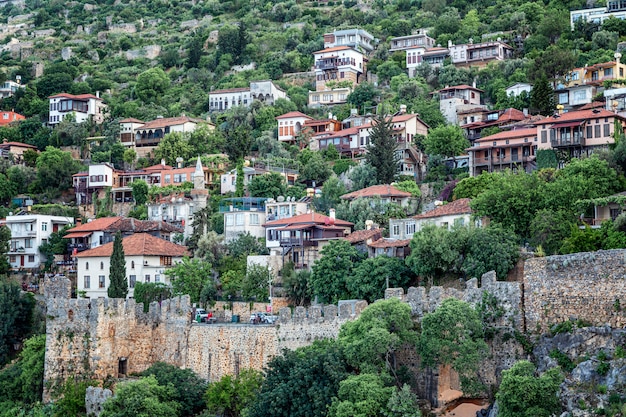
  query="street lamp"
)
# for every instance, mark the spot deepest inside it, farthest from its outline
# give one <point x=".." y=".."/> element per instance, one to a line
<point x="269" y="283"/>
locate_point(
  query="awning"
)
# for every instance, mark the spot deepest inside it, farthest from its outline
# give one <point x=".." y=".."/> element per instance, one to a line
<point x="569" y="124"/>
<point x="77" y="234"/>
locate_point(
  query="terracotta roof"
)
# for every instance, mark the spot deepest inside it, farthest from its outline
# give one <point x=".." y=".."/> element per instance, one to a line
<point x="95" y="225"/>
<point x="307" y="218"/>
<point x="230" y="90"/>
<point x="340" y="133"/>
<point x="168" y="121"/>
<point x="407" y="116"/>
<point x="461" y="87"/>
<point x="18" y="144"/>
<point x="333" y="49"/>
<point x="78" y="97"/>
<point x="292" y="114"/>
<point x="131" y="120"/>
<point x="508" y="134"/>
<point x="138" y="244"/>
<point x="593" y="105"/>
<point x="127" y="224"/>
<point x="460" y="206"/>
<point x="383" y="190"/>
<point x="390" y="243"/>
<point x="363" y="235"/>
<point x="436" y="50"/>
<point x="511" y="114"/>
<point x="578" y="115"/>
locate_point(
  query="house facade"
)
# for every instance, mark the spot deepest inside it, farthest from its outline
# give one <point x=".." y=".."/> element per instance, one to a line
<point x="300" y="239"/>
<point x="147" y="259"/>
<point x="7" y="117"/>
<point x="15" y="150"/>
<point x="479" y="54"/>
<point x="418" y="55"/>
<point x="8" y="88"/>
<point x="265" y="91"/>
<point x="387" y="193"/>
<point x="290" y="125"/>
<point x="357" y="39"/>
<point x="511" y="149"/>
<point x="28" y="232"/>
<point x="419" y="38"/>
<point x="149" y="135"/>
<point x="243" y="215"/>
<point x="598" y="15"/>
<point x="458" y="98"/>
<point x="82" y="106"/>
<point x="127" y="130"/>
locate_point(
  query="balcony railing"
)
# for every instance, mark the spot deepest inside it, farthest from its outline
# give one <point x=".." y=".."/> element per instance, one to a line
<point x="296" y="241"/>
<point x="506" y="160"/>
<point x="566" y="142"/>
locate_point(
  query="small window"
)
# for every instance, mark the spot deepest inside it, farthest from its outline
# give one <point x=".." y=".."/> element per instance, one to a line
<point x="157" y="278"/>
<point x="86" y="281"/>
<point x="86" y="266"/>
<point x="132" y="279"/>
<point x="44" y="227"/>
<point x="132" y="264"/>
<point x="31" y="258"/>
<point x="101" y="265"/>
<point x="101" y="281"/>
<point x="147" y="278"/>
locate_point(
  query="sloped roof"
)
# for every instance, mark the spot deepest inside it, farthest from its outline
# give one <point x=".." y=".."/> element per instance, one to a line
<point x="460" y="206"/>
<point x="292" y="114"/>
<point x="363" y="235"/>
<point x="307" y="218"/>
<point x="77" y="97"/>
<point x="333" y="49"/>
<point x="138" y="244"/>
<point x="508" y="134"/>
<point x="131" y="120"/>
<point x="17" y="144"/>
<point x="578" y="115"/>
<point x="168" y="121"/>
<point x="461" y="87"/>
<point x="383" y="190"/>
<point x="390" y="243"/>
<point x="128" y="224"/>
<point x="592" y="105"/>
<point x="95" y="225"/>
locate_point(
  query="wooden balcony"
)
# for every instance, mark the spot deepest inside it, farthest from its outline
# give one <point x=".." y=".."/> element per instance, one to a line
<point x="296" y="241"/>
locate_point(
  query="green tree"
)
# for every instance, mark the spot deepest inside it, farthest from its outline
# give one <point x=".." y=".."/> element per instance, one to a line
<point x="5" y="241"/>
<point x="363" y="395"/>
<point x="542" y="97"/>
<point x="549" y="228"/>
<point x="432" y="252"/>
<point x="297" y="286"/>
<point x="152" y="85"/>
<point x="363" y="176"/>
<point x="403" y="403"/>
<point x="372" y="341"/>
<point x="487" y="249"/>
<point x="369" y="279"/>
<point x="142" y="398"/>
<point x="409" y="186"/>
<point x="140" y="192"/>
<point x="148" y="292"/>
<point x="453" y="335"/>
<point x="118" y="287"/>
<point x="269" y="185"/>
<point x="189" y="277"/>
<point x="8" y="189"/>
<point x="195" y="51"/>
<point x="188" y="387"/>
<point x="316" y="169"/>
<point x="381" y="151"/>
<point x="56" y="245"/>
<point x="363" y="96"/>
<point x="173" y="145"/>
<point x="523" y="394"/>
<point x="238" y="143"/>
<point x="470" y="187"/>
<point x="239" y="186"/>
<point x="301" y="382"/>
<point x="16" y="313"/>
<point x="230" y="396"/>
<point x="255" y="284"/>
<point x="328" y="275"/>
<point x="448" y="141"/>
<point x="130" y="157"/>
<point x="71" y="401"/>
<point x="55" y="169"/>
<point x="332" y="189"/>
<point x="245" y="245"/>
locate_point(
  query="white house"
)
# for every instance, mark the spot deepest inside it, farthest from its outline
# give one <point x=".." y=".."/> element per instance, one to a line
<point x="265" y="91"/>
<point x="290" y="124"/>
<point x="8" y="88"/>
<point x="518" y="88"/>
<point x="127" y="130"/>
<point x="357" y="39"/>
<point x="28" y="232"/>
<point x="284" y="208"/>
<point x="241" y="215"/>
<point x="101" y="175"/>
<point x="82" y="106"/>
<point x="458" y="98"/>
<point x="417" y="39"/>
<point x="147" y="258"/>
<point x="614" y="8"/>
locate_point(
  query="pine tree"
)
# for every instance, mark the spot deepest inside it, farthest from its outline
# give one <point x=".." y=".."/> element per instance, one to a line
<point x="381" y="151"/>
<point x="118" y="287"/>
<point x="542" y="97"/>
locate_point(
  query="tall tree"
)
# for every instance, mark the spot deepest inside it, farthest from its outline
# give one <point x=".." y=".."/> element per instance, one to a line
<point x="381" y="151"/>
<point x="118" y="283"/>
<point x="542" y="97"/>
<point x="448" y="141"/>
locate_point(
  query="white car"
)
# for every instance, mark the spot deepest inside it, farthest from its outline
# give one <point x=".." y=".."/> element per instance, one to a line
<point x="201" y="315"/>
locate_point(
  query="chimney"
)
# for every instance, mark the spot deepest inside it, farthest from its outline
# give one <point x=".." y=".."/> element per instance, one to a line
<point x="402" y="108"/>
<point x="330" y="115"/>
<point x="368" y="224"/>
<point x="163" y="161"/>
<point x="98" y="94"/>
<point x="449" y="44"/>
<point x="331" y="213"/>
<point x="354" y="112"/>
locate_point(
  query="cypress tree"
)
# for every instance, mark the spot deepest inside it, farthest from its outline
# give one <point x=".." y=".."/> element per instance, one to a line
<point x="381" y="151"/>
<point x="118" y="287"/>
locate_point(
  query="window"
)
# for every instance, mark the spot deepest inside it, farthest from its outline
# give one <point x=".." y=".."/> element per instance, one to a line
<point x="132" y="279"/>
<point x="157" y="278"/>
<point x="239" y="219"/>
<point x="101" y="281"/>
<point x="410" y="228"/>
<point x="12" y="259"/>
<point x="229" y="220"/>
<point x="563" y="98"/>
<point x="168" y="178"/>
<point x="44" y="226"/>
<point x="396" y="229"/>
<point x="28" y="243"/>
<point x="589" y="131"/>
<point x="86" y="281"/>
<point x="607" y="129"/>
<point x="544" y="137"/>
<point x="166" y="260"/>
<point x="132" y="264"/>
<point x="31" y="258"/>
<point x="101" y="265"/>
<point x="254" y="219"/>
<point x="147" y="278"/>
<point x="597" y="131"/>
<point x="86" y="266"/>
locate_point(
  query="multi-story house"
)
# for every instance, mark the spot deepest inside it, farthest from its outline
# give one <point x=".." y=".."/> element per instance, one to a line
<point x="241" y="215"/>
<point x="474" y="120"/>
<point x="615" y="8"/>
<point x="511" y="149"/>
<point x="83" y="106"/>
<point x="147" y="259"/>
<point x="518" y="88"/>
<point x="97" y="178"/>
<point x="479" y="54"/>
<point x="357" y="39"/>
<point x="7" y="117"/>
<point x="265" y="91"/>
<point x="578" y="133"/>
<point x="28" y="232"/>
<point x="386" y="193"/>
<point x="581" y="85"/>
<point x="418" y="55"/>
<point x="329" y="97"/>
<point x="300" y="239"/>
<point x="419" y="38"/>
<point x="290" y="125"/>
<point x="284" y="208"/>
<point x="8" y="88"/>
<point x="458" y="98"/>
<point x="149" y="135"/>
<point x="340" y="64"/>
<point x="127" y="130"/>
<point x="15" y="150"/>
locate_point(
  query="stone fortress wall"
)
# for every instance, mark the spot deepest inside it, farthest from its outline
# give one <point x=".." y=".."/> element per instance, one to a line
<point x="105" y="338"/>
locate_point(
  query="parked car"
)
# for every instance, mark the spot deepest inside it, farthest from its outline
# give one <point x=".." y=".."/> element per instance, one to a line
<point x="262" y="318"/>
<point x="270" y="319"/>
<point x="201" y="315"/>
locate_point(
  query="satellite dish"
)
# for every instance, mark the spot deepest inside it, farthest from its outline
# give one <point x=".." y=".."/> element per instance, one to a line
<point x="280" y="198"/>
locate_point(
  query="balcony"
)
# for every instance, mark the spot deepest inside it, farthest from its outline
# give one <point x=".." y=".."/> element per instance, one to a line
<point x="566" y="142"/>
<point x="296" y="241"/>
<point x="506" y="160"/>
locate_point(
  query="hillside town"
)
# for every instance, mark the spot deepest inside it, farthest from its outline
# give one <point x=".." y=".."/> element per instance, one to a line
<point x="333" y="209"/>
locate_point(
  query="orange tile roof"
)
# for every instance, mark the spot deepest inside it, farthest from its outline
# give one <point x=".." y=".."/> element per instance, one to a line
<point x="509" y="134"/>
<point x="383" y="190"/>
<point x="292" y="114"/>
<point x="390" y="243"/>
<point x="363" y="235"/>
<point x="168" y="121"/>
<point x="593" y="105"/>
<point x="77" y="97"/>
<point x="461" y="87"/>
<point x="131" y="120"/>
<point x="95" y="225"/>
<point x="512" y="114"/>
<point x="579" y="115"/>
<point x="138" y="244"/>
<point x="11" y="117"/>
<point x="333" y="49"/>
<point x="17" y="144"/>
<point x="307" y="218"/>
<point x="460" y="206"/>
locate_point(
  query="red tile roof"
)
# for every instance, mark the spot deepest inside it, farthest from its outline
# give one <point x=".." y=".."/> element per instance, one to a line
<point x="131" y="120"/>
<point x="579" y="115"/>
<point x="95" y="225"/>
<point x="138" y="244"/>
<point x="511" y="115"/>
<point x="292" y="114"/>
<point x="390" y="243"/>
<point x="333" y="49"/>
<point x="168" y="121"/>
<point x="76" y="97"/>
<point x="383" y="190"/>
<point x="508" y="134"/>
<point x="461" y="87"/>
<point x="6" y="145"/>
<point x="460" y="206"/>
<point x="307" y="218"/>
<point x="363" y="235"/>
<point x="594" y="105"/>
